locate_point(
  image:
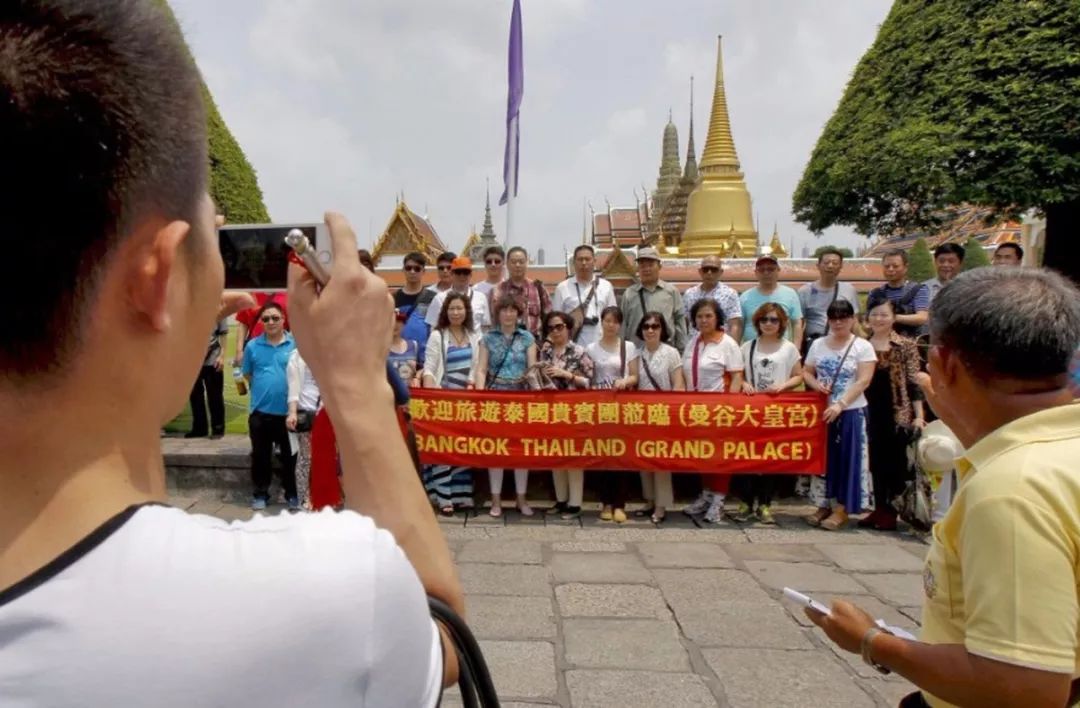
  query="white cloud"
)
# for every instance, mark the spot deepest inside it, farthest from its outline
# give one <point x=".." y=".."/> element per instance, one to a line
<point x="342" y="104"/>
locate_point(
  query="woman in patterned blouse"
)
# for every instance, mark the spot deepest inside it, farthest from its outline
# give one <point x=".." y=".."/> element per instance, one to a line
<point x="506" y="355"/>
<point x="568" y="367"/>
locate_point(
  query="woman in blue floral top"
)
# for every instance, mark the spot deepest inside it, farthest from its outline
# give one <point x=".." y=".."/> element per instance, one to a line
<point x="568" y="367"/>
<point x="506" y="355"/>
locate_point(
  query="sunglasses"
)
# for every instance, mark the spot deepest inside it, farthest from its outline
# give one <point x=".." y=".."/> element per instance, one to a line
<point x="771" y="320"/>
<point x="493" y="261"/>
<point x="650" y="325"/>
<point x="557" y="327"/>
<point x="462" y="271"/>
<point x="444" y="267"/>
<point x="271" y="318"/>
<point x="415" y="269"/>
<point x="709" y="269"/>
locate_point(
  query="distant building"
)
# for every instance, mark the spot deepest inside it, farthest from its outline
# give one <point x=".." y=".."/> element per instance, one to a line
<point x="962" y="223"/>
<point x="406" y="232"/>
<point x="477" y="243"/>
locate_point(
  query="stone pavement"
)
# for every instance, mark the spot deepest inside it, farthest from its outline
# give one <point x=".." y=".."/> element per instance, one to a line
<point x="592" y="614"/>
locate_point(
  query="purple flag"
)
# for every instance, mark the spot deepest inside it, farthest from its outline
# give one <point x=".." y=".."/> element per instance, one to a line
<point x="513" y="107"/>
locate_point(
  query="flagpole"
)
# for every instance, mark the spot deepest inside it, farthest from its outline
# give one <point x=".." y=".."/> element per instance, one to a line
<point x="511" y="193"/>
<point x="515" y="90"/>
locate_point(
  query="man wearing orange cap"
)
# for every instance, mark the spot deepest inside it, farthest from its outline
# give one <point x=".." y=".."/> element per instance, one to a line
<point x="461" y="274"/>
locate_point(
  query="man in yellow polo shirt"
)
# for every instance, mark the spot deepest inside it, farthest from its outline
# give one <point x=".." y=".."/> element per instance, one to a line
<point x="1001" y="616"/>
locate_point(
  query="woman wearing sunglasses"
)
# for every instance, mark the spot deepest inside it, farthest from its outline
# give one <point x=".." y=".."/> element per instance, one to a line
<point x="659" y="369"/>
<point x="772" y="366"/>
<point x="566" y="365"/>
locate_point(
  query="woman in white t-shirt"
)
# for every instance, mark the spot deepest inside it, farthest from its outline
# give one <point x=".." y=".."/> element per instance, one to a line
<point x="772" y="366"/>
<point x="841" y="366"/>
<point x="660" y="369"/>
<point x="709" y="357"/>
<point x="615" y="366"/>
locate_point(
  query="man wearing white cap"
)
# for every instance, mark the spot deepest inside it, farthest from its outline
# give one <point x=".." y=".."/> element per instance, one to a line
<point x="650" y="294"/>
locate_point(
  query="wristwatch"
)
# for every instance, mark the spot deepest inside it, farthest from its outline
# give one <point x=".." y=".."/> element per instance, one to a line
<point x="867" y="639"/>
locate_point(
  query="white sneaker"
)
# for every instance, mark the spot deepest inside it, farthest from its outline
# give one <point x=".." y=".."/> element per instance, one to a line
<point x="715" y="513"/>
<point x="701" y="504"/>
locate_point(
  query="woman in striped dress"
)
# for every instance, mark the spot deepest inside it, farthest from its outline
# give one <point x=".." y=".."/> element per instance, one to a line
<point x="449" y="362"/>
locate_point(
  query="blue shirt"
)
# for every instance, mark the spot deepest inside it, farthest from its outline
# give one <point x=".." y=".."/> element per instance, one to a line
<point x="783" y="296"/>
<point x="507" y="356"/>
<point x="265" y="364"/>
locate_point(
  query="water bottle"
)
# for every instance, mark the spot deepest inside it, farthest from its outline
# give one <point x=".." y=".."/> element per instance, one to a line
<point x="241" y="382"/>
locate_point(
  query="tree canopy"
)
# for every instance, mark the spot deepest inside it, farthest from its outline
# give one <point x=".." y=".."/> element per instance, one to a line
<point x="956" y="102"/>
<point x="234" y="186"/>
<point x="975" y="255"/>
<point x="920" y="262"/>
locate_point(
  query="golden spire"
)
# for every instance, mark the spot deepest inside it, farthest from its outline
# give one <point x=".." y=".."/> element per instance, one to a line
<point x="719" y="209"/>
<point x="719" y="155"/>
<point x="776" y="247"/>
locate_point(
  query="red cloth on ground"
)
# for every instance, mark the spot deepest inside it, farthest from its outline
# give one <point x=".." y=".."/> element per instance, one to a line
<point x="325" y="486"/>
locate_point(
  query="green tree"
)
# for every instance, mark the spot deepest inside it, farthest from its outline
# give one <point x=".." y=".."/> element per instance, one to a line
<point x="845" y="252"/>
<point x="233" y="183"/>
<point x="920" y="262"/>
<point x="957" y="102"/>
<point x="974" y="254"/>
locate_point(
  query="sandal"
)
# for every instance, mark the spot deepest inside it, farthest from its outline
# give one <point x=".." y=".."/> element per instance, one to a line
<point x="835" y="522"/>
<point x="658" y="518"/>
<point x="642" y="513"/>
<point x="495" y="512"/>
<point x="447" y="511"/>
<point x="817" y="517"/>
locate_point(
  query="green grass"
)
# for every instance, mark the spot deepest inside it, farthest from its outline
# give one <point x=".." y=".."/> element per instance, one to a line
<point x="236" y="406"/>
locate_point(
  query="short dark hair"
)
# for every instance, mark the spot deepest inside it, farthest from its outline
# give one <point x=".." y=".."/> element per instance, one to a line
<point x="665" y="333"/>
<point x="829" y="251"/>
<point x="950" y="248"/>
<point x="504" y="302"/>
<point x="365" y="259"/>
<point x="557" y="315"/>
<point x="1021" y="323"/>
<point x="584" y="247"/>
<point x="102" y="125"/>
<point x="415" y="257"/>
<point x="445" y="257"/>
<point x="612" y="310"/>
<point x="518" y="249"/>
<point x="840" y="309"/>
<point x="1013" y="245"/>
<point x="444" y="316"/>
<point x="272" y="305"/>
<point x="896" y="253"/>
<point x="497" y="250"/>
<point x="711" y="304"/>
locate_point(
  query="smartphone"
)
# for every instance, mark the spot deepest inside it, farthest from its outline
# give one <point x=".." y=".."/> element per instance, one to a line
<point x="257" y="258"/>
<point x="805" y="601"/>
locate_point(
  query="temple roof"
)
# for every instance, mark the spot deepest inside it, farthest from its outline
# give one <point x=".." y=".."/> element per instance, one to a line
<point x="407" y="231"/>
<point x="967" y="221"/>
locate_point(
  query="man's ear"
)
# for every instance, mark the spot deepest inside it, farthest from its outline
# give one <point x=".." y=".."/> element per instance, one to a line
<point x="153" y="261"/>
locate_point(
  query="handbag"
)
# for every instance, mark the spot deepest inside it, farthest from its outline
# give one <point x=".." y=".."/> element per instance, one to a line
<point x="578" y="313"/>
<point x="915" y="504"/>
<point x="304" y="420"/>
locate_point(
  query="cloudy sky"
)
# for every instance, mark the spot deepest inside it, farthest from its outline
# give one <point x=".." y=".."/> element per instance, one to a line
<point x="340" y="104"/>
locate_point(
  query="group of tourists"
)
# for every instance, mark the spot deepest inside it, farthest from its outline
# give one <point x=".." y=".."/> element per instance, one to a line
<point x="506" y="333"/>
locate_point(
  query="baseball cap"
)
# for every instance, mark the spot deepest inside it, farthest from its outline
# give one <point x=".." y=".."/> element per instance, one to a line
<point x="648" y="253"/>
<point x="461" y="263"/>
<point x="767" y="258"/>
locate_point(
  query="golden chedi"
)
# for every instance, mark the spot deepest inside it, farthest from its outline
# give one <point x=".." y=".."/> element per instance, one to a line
<point x="719" y="212"/>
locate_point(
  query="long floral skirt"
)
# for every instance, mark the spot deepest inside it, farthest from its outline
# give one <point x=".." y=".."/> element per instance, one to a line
<point x="847" y="476"/>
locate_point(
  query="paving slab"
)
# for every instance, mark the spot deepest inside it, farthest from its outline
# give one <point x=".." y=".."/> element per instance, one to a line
<point x="581" y="600"/>
<point x="900" y="589"/>
<point x="785" y="552"/>
<point x="872" y="559"/>
<point x="598" y="568"/>
<point x="728" y="534"/>
<point x="913" y="613"/>
<point x="890" y="692"/>
<point x="740" y="624"/>
<point x="588" y="547"/>
<point x="536" y="532"/>
<point x="751" y="678"/>
<point x="805" y="577"/>
<point x="806" y="534"/>
<point x="641" y="689"/>
<point x="709" y="587"/>
<point x="508" y="617"/>
<point x="634" y="644"/>
<point x="521" y="669"/>
<point x="683" y="555"/>
<point x="502" y="550"/>
<point x="493" y="579"/>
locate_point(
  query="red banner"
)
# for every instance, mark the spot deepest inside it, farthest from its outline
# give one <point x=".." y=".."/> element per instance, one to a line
<point x="628" y="430"/>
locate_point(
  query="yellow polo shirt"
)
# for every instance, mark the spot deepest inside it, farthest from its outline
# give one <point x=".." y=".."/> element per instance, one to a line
<point x="1002" y="573"/>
